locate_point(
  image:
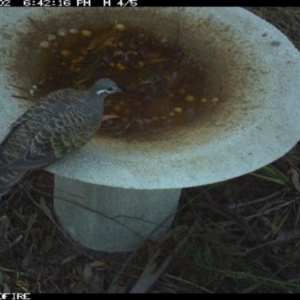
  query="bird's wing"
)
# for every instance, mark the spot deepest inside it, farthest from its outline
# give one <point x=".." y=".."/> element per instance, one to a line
<point x="45" y="107"/>
<point x="23" y="130"/>
<point x="62" y="133"/>
<point x="23" y="118"/>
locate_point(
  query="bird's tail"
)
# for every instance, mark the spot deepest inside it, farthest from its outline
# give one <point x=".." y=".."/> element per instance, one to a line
<point x="8" y="178"/>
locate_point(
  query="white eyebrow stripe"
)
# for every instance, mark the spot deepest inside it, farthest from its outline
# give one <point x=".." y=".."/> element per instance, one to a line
<point x="101" y="92"/>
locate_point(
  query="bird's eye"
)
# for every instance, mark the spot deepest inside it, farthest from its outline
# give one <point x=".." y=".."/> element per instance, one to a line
<point x="110" y="89"/>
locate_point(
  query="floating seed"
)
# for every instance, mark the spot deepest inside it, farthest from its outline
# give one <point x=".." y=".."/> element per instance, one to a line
<point x="135" y="53"/>
<point x="51" y="37"/>
<point x="190" y="98"/>
<point x="120" y="27"/>
<point x="215" y="100"/>
<point x="77" y="59"/>
<point x="86" y="33"/>
<point x="44" y="44"/>
<point x="116" y="53"/>
<point x="177" y="109"/>
<point x="121" y="66"/>
<point x="61" y="32"/>
<point x="65" y="52"/>
<point x="203" y="100"/>
<point x="73" y="30"/>
<point x="171" y="114"/>
<point x="117" y="107"/>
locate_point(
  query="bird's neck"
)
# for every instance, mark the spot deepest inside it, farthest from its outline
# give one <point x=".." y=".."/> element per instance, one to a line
<point x="96" y="101"/>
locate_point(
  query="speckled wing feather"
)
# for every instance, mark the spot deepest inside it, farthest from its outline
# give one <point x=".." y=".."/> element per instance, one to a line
<point x="56" y="126"/>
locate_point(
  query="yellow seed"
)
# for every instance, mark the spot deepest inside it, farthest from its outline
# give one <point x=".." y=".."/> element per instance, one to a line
<point x="177" y="109"/>
<point x="120" y="27"/>
<point x="77" y="70"/>
<point x="63" y="63"/>
<point x="86" y="33"/>
<point x="171" y="114"/>
<point x="65" y="53"/>
<point x="44" y="44"/>
<point x="80" y="58"/>
<point x="134" y="52"/>
<point x="117" y="107"/>
<point x="51" y="37"/>
<point x="190" y="98"/>
<point x="124" y="119"/>
<point x="121" y="66"/>
<point x="203" y="100"/>
<point x="155" y="118"/>
<point x="141" y="64"/>
<point x="61" y="32"/>
<point x="116" y="53"/>
<point x="163" y="117"/>
<point x="182" y="91"/>
<point x="73" y="30"/>
<point x="215" y="100"/>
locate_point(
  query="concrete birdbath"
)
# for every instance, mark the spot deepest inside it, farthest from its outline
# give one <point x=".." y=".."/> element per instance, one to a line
<point x="114" y="194"/>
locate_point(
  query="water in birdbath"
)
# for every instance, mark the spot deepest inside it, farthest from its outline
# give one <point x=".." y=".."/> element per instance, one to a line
<point x="163" y="87"/>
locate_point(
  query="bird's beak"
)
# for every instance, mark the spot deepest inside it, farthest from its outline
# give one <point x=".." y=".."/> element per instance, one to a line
<point x="118" y="90"/>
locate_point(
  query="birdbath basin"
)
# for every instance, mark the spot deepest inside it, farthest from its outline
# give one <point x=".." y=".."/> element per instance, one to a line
<point x="113" y="194"/>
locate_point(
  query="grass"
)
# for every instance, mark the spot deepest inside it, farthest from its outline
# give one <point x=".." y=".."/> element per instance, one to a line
<point x="238" y="236"/>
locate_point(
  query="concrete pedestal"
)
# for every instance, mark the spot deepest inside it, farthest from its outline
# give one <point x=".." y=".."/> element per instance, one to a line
<point x="113" y="219"/>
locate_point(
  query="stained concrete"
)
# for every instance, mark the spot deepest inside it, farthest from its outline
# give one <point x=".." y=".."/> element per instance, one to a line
<point x="113" y="219"/>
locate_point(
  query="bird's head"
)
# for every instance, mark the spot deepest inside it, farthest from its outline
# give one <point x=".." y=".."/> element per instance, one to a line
<point x="104" y="87"/>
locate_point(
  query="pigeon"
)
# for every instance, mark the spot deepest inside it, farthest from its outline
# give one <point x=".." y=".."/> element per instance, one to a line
<point x="58" y="124"/>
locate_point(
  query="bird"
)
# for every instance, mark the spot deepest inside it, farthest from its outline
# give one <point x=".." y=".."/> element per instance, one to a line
<point x="55" y="126"/>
